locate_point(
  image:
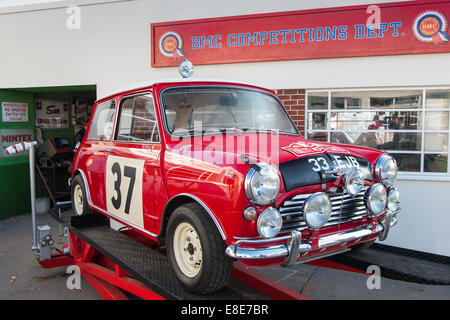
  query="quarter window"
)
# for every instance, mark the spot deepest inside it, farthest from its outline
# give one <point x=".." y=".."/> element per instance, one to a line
<point x="103" y="121"/>
<point x="137" y="122"/>
<point x="411" y="124"/>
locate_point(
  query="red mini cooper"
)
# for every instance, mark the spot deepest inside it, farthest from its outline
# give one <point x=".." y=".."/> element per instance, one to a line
<point x="216" y="171"/>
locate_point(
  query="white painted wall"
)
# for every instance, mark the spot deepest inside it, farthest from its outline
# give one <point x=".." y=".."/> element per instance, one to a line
<point x="424" y="222"/>
<point x="112" y="50"/>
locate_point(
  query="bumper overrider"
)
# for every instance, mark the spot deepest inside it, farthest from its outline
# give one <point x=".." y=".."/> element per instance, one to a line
<point x="293" y="248"/>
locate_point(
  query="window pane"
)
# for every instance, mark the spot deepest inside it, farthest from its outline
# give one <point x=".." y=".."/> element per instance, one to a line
<point x="398" y="141"/>
<point x="103" y="121"/>
<point x="366" y="120"/>
<point x="436" y="120"/>
<point x="381" y="99"/>
<point x="438" y="99"/>
<point x="137" y="120"/>
<point x="318" y="136"/>
<point x="407" y="162"/>
<point x="317" y="120"/>
<point x="436" y="142"/>
<point x="318" y="100"/>
<point x="435" y="162"/>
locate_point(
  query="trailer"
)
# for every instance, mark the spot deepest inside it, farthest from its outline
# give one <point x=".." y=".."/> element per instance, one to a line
<point x="124" y="264"/>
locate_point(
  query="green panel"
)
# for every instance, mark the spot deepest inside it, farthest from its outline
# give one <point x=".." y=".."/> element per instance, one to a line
<point x="14" y="170"/>
<point x="14" y="190"/>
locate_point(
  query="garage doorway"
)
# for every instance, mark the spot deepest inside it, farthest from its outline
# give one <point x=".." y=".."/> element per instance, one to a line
<point x="52" y="116"/>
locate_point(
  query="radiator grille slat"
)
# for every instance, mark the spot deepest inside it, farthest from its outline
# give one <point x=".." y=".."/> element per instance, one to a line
<point x="345" y="209"/>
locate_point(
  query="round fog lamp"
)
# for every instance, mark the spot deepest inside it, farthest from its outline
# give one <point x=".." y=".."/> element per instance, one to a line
<point x="393" y="200"/>
<point x="317" y="210"/>
<point x="376" y="199"/>
<point x="269" y="223"/>
<point x="354" y="181"/>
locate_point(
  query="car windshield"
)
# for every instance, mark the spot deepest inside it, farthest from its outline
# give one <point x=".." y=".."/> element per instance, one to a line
<point x="194" y="110"/>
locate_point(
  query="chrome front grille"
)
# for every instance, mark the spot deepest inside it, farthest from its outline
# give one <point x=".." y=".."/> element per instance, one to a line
<point x="345" y="209"/>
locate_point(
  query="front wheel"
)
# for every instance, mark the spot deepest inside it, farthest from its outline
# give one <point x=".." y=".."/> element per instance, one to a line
<point x="196" y="250"/>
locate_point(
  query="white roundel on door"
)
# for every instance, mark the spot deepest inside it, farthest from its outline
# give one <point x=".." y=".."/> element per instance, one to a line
<point x="124" y="189"/>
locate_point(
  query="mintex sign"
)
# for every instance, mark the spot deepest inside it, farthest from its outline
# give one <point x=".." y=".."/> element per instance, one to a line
<point x="8" y="137"/>
<point x="384" y="29"/>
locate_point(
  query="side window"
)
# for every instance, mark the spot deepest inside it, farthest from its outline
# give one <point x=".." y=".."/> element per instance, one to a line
<point x="103" y="121"/>
<point x="137" y="120"/>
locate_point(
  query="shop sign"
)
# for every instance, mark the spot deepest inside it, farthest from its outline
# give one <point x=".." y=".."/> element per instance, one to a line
<point x="408" y="27"/>
<point x="14" y="112"/>
<point x="52" y="114"/>
<point x="9" y="137"/>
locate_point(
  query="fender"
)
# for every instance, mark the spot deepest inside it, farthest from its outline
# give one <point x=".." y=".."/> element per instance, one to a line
<point x="200" y="202"/>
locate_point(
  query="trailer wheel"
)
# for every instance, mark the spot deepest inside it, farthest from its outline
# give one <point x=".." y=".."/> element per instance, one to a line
<point x="196" y="250"/>
<point x="79" y="199"/>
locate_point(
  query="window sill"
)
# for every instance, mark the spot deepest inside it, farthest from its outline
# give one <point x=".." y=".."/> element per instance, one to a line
<point x="423" y="177"/>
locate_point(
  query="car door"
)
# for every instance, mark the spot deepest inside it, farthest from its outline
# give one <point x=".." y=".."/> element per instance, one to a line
<point x="92" y="159"/>
<point x="131" y="162"/>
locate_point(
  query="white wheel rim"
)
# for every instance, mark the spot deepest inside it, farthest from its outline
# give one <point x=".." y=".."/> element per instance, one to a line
<point x="187" y="249"/>
<point x="78" y="199"/>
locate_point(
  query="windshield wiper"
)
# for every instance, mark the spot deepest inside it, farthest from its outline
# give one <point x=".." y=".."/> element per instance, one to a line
<point x="233" y="129"/>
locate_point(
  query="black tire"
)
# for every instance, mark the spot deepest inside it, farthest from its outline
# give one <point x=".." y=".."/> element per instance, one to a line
<point x="78" y="181"/>
<point x="215" y="268"/>
<point x="363" y="246"/>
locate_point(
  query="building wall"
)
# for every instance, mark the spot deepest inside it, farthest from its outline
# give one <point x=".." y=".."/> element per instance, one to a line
<point x="112" y="50"/>
<point x="294" y="102"/>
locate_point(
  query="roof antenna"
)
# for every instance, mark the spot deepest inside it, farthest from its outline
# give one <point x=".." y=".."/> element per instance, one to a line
<point x="186" y="68"/>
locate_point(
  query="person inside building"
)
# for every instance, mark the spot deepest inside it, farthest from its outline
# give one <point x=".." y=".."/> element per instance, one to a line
<point x="395" y="125"/>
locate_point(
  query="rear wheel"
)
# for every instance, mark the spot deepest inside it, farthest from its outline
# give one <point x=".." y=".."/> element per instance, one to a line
<point x="196" y="250"/>
<point x="79" y="198"/>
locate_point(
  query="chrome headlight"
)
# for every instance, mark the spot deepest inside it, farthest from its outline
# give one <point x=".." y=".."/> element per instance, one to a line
<point x="269" y="223"/>
<point x="376" y="199"/>
<point x="261" y="187"/>
<point x="317" y="210"/>
<point x="393" y="200"/>
<point x="354" y="181"/>
<point x="386" y="170"/>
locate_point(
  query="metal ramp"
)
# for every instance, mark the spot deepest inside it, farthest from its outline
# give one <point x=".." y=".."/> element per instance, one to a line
<point x="140" y="261"/>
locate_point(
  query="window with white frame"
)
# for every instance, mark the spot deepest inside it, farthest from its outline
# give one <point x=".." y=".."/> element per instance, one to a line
<point x="411" y="124"/>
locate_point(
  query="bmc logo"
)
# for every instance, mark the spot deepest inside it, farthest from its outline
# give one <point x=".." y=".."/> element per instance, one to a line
<point x="53" y="110"/>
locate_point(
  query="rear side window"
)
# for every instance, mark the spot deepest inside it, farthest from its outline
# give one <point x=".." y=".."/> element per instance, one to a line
<point x="137" y="120"/>
<point x="103" y="121"/>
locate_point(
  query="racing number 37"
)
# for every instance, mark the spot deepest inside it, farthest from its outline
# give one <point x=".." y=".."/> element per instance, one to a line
<point x="129" y="172"/>
<point x="124" y="188"/>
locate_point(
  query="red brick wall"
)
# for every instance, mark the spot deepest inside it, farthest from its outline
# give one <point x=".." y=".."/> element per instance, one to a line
<point x="294" y="102"/>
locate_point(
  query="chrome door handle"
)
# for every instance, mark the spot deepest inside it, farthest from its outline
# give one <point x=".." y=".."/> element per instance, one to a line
<point x="109" y="150"/>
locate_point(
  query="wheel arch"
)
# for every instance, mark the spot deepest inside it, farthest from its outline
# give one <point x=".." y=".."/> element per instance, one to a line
<point x="180" y="200"/>
<point x="86" y="185"/>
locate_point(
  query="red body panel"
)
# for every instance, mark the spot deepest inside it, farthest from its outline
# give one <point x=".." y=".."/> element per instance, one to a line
<point x="169" y="172"/>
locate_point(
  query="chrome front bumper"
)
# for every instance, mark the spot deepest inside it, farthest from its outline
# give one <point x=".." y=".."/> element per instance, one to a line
<point x="293" y="249"/>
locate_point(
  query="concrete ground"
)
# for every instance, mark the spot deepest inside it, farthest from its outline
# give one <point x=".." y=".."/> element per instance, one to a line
<point x="21" y="277"/>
